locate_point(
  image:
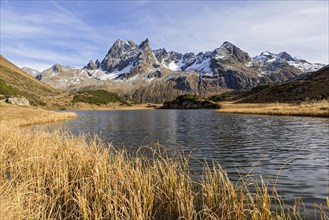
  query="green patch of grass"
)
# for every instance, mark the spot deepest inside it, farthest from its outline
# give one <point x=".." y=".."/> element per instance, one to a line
<point x="189" y="97"/>
<point x="98" y="97"/>
<point x="7" y="90"/>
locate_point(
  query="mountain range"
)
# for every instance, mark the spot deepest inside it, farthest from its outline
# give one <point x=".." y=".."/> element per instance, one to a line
<point x="145" y="75"/>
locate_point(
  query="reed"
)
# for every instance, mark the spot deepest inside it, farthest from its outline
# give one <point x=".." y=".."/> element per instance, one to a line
<point x="312" y="109"/>
<point x="60" y="176"/>
<point x="23" y="116"/>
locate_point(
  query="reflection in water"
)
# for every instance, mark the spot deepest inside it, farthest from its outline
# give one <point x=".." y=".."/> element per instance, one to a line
<point x="298" y="146"/>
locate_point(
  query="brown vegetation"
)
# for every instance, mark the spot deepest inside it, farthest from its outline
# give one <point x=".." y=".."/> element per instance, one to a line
<point x="22" y="116"/>
<point x="315" y="86"/>
<point x="313" y="109"/>
<point x="59" y="176"/>
<point x="20" y="83"/>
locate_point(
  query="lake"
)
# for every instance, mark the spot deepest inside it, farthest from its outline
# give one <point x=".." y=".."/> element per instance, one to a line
<point x="295" y="147"/>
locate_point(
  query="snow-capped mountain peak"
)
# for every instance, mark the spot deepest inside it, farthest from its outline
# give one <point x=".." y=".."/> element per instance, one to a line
<point x="272" y="61"/>
<point x="286" y="56"/>
<point x="228" y="65"/>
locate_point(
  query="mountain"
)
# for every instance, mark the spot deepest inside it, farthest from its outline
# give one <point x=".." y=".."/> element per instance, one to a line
<point x="35" y="73"/>
<point x="313" y="86"/>
<point x="14" y="81"/>
<point x="146" y="75"/>
<point x="66" y="77"/>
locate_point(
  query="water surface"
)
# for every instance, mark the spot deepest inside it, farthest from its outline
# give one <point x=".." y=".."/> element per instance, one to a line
<point x="294" y="147"/>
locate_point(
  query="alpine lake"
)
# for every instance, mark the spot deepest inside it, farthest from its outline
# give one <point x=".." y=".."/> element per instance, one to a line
<point x="290" y="152"/>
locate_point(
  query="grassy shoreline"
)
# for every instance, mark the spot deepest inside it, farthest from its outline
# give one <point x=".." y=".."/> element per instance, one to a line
<point x="24" y="116"/>
<point x="310" y="109"/>
<point x="57" y="175"/>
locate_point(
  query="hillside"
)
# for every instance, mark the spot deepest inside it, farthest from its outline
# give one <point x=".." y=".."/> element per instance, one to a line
<point x="315" y="86"/>
<point x="14" y="81"/>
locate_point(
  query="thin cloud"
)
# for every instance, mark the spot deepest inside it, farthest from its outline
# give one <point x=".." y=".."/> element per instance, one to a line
<point x="73" y="33"/>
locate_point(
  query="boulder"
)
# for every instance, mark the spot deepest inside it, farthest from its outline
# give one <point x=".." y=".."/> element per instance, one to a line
<point x="21" y="101"/>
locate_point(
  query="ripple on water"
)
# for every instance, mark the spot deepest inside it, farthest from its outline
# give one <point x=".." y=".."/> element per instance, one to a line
<point x="296" y="148"/>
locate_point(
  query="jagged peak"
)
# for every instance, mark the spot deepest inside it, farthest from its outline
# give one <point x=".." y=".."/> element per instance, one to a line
<point x="119" y="41"/>
<point x="56" y="66"/>
<point x="161" y="50"/>
<point x="145" y="44"/>
<point x="286" y="56"/>
<point x="124" y="44"/>
<point x="266" y="53"/>
<point x="264" y="56"/>
<point x="228" y="45"/>
<point x="189" y="54"/>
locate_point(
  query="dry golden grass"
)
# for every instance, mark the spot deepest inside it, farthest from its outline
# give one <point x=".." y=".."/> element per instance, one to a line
<point x="21" y="116"/>
<point x="59" y="176"/>
<point x="314" y="109"/>
<point x="19" y="75"/>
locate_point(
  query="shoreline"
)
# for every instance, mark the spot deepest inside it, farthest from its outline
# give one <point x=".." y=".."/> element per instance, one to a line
<point x="312" y="109"/>
<point x="77" y="171"/>
<point x="114" y="106"/>
<point x="25" y="116"/>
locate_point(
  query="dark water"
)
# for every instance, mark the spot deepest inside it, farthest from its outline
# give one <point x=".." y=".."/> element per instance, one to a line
<point x="295" y="147"/>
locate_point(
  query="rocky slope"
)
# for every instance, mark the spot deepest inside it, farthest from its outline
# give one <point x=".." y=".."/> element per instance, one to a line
<point x="146" y="75"/>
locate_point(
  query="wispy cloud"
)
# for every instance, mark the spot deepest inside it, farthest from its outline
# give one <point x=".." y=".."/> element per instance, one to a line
<point x="72" y="33"/>
<point x="51" y="35"/>
<point x="300" y="28"/>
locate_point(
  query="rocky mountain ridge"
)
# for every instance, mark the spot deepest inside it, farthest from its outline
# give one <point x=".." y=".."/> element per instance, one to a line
<point x="146" y="75"/>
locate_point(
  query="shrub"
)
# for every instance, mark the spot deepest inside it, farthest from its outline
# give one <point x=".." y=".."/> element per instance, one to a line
<point x="98" y="97"/>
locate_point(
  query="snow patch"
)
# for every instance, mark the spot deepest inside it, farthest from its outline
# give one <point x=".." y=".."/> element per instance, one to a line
<point x="249" y="64"/>
<point x="305" y="66"/>
<point x="203" y="67"/>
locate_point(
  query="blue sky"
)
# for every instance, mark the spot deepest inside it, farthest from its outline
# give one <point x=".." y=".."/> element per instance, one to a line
<point x="38" y="34"/>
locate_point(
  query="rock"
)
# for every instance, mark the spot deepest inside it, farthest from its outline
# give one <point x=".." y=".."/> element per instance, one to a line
<point x="189" y="101"/>
<point x="20" y="101"/>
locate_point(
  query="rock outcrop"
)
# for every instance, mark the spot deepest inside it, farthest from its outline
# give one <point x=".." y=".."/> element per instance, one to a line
<point x="189" y="101"/>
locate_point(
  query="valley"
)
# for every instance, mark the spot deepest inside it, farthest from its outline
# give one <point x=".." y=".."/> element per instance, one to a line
<point x="140" y="109"/>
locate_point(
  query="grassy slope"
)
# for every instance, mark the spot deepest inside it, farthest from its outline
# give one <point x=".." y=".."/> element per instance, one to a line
<point x="14" y="81"/>
<point x="314" y="87"/>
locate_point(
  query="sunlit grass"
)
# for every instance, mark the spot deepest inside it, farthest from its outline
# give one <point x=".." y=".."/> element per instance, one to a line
<point x="314" y="108"/>
<point x="22" y="116"/>
<point x="60" y="176"/>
